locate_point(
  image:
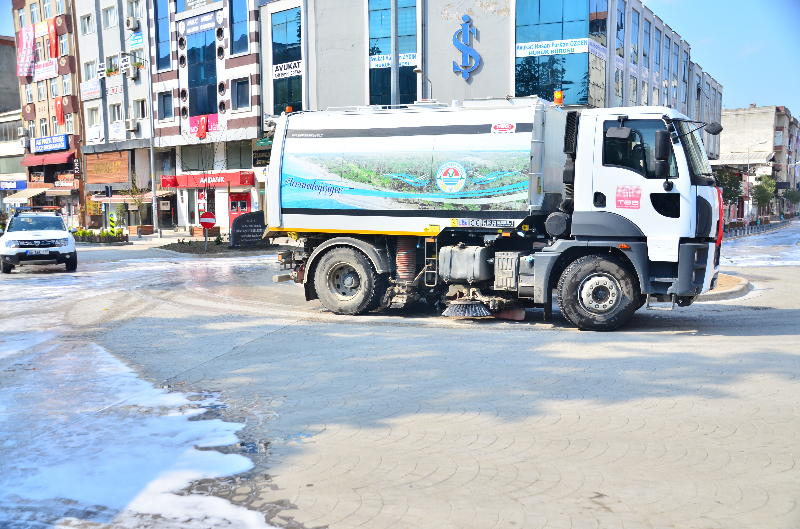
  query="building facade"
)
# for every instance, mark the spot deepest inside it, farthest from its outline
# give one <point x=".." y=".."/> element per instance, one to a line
<point x="47" y="74"/>
<point x="13" y="176"/>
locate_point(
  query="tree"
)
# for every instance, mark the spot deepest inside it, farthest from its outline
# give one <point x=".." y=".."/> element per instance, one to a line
<point x="792" y="195"/>
<point x="731" y="183"/>
<point x="764" y="192"/>
<point x="136" y="195"/>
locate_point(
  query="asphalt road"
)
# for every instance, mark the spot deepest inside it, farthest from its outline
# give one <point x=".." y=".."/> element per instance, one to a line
<point x="681" y="419"/>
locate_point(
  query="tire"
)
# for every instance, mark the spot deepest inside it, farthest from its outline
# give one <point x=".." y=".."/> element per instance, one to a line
<point x="362" y="292"/>
<point x="7" y="268"/>
<point x="72" y="263"/>
<point x="587" y="283"/>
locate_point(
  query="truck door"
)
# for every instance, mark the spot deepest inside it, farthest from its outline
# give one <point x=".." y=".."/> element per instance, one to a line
<point x="624" y="183"/>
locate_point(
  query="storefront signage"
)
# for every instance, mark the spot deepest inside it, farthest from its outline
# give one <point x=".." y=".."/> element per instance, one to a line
<point x="287" y="69"/>
<point x="50" y="143"/>
<point x="552" y="47"/>
<point x="200" y="23"/>
<point x="124" y="63"/>
<point x="65" y="180"/>
<point x="25" y="55"/>
<point x="212" y="125"/>
<point x="76" y="166"/>
<point x="90" y="90"/>
<point x="137" y="41"/>
<point x="598" y="50"/>
<point x="237" y="178"/>
<point x="385" y="61"/>
<point x="13" y="184"/>
<point x="469" y="57"/>
<point x="107" y="167"/>
<point x="193" y="4"/>
<point x="37" y="177"/>
<point x="261" y="158"/>
<point x="169" y="181"/>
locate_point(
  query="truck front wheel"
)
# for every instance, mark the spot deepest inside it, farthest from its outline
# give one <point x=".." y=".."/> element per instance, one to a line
<point x="598" y="294"/>
<point x="346" y="282"/>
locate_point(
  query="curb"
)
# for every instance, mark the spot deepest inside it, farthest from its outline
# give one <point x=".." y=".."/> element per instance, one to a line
<point x="784" y="225"/>
<point x="742" y="288"/>
<point x="103" y="243"/>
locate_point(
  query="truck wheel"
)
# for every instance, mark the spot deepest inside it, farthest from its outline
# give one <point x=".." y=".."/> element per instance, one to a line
<point x="72" y="263"/>
<point x="346" y="282"/>
<point x="7" y="268"/>
<point x="598" y="294"/>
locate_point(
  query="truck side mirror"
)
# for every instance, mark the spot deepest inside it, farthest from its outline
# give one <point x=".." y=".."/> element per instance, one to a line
<point x="713" y="128"/>
<point x="663" y="145"/>
<point x="662" y="168"/>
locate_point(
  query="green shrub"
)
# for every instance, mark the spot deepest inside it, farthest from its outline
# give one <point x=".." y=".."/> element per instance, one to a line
<point x="118" y="232"/>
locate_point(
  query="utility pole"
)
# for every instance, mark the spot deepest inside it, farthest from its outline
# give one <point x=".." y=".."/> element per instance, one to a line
<point x="152" y="132"/>
<point x="395" y="57"/>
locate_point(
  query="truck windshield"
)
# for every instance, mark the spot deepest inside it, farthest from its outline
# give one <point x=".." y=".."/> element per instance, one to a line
<point x="36" y="224"/>
<point x="696" y="154"/>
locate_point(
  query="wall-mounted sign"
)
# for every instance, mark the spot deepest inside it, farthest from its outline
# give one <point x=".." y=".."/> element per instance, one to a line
<point x="163" y="205"/>
<point x="598" y="50"/>
<point x="469" y="57"/>
<point x="212" y="124"/>
<point x="169" y="181"/>
<point x="37" y="177"/>
<point x="107" y="168"/>
<point x="137" y="41"/>
<point x="113" y="90"/>
<point x="90" y="90"/>
<point x="76" y="166"/>
<point x="193" y="4"/>
<point x="385" y="61"/>
<point x="124" y="63"/>
<point x="40" y="29"/>
<point x="287" y="69"/>
<point x="101" y="70"/>
<point x="13" y="184"/>
<point x="65" y="179"/>
<point x="94" y="133"/>
<point x="261" y="158"/>
<point x="235" y="178"/>
<point x="200" y="23"/>
<point x="50" y="143"/>
<point x="116" y="131"/>
<point x="552" y="47"/>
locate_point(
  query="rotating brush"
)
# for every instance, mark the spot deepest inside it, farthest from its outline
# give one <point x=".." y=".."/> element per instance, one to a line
<point x="466" y="309"/>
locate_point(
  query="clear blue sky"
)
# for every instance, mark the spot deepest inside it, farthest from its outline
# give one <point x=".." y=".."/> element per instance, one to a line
<point x="752" y="47"/>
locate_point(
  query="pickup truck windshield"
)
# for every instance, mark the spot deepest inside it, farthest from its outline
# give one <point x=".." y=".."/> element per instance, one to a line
<point x="695" y="154"/>
<point x="36" y="224"/>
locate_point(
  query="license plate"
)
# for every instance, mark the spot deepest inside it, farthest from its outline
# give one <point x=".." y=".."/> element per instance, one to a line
<point x="37" y="252"/>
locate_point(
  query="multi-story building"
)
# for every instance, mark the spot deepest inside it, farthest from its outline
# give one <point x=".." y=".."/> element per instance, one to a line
<point x="13" y="176"/>
<point x="47" y="72"/>
<point x="9" y="87"/>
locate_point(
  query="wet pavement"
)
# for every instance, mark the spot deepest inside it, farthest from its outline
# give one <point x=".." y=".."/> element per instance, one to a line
<point x="154" y="390"/>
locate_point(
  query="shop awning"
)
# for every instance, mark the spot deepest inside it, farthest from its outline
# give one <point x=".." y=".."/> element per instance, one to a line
<point x="59" y="192"/>
<point x="24" y="195"/>
<point x="48" y="159"/>
<point x="126" y="199"/>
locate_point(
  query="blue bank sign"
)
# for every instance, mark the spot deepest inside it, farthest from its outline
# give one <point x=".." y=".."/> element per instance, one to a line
<point x="50" y="143"/>
<point x="469" y="57"/>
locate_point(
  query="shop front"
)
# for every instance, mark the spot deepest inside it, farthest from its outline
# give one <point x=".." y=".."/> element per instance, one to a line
<point x="54" y="173"/>
<point x="8" y="188"/>
<point x="227" y="195"/>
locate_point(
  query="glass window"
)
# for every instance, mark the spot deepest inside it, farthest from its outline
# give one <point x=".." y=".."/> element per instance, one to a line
<point x="163" y="50"/>
<point x="685" y="77"/>
<point x="665" y="76"/>
<point x="38" y="54"/>
<point x="645" y="93"/>
<point x="60" y="7"/>
<point x="54" y="87"/>
<point x="634" y="37"/>
<point x="112" y="64"/>
<point x="241" y="93"/>
<point x="43" y="127"/>
<point x="633" y="91"/>
<point x="42" y="89"/>
<point x="114" y="113"/>
<point x="55" y="125"/>
<point x="657" y="49"/>
<point x="87" y="24"/>
<point x="93" y="116"/>
<point x="63" y="47"/>
<point x="11" y="164"/>
<point x="34" y="13"/>
<point x="137" y="58"/>
<point x="135" y="9"/>
<point x="675" y="49"/>
<point x="37" y="223"/>
<point x="46" y="9"/>
<point x="139" y="109"/>
<point x="198" y="157"/>
<point x="618" y="88"/>
<point x="286" y="48"/>
<point x="21" y="17"/>
<point x="696" y="88"/>
<point x="239" y="34"/>
<point x="68" y="124"/>
<point x="109" y="17"/>
<point x="636" y="152"/>
<point x="89" y="70"/>
<point x="29" y="93"/>
<point x="621" y="28"/>
<point x="8" y="132"/>
<point x="202" y="66"/>
<point x="66" y="84"/>
<point x="31" y="129"/>
<point x="695" y="152"/>
<point x="165" y="110"/>
<point x="239" y="154"/>
<point x="646" y="44"/>
<point x="46" y="49"/>
<point x="380" y="72"/>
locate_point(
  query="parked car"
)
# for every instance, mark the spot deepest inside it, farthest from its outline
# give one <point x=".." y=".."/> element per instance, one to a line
<point x="37" y="236"/>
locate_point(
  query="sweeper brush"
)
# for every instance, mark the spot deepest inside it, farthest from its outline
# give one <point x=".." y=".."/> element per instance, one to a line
<point x="466" y="309"/>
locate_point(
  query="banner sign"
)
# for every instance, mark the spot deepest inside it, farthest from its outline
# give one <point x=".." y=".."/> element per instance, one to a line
<point x="212" y="123"/>
<point x="51" y="31"/>
<point x="25" y="54"/>
<point x="14" y="184"/>
<point x="40" y="29"/>
<point x="287" y="69"/>
<point x="169" y="181"/>
<point x="59" y="111"/>
<point x="76" y="165"/>
<point x="385" y="61"/>
<point x="235" y="178"/>
<point x="261" y="158"/>
<point x="45" y="70"/>
<point x="116" y="131"/>
<point x="552" y="47"/>
<point x="93" y="133"/>
<point x="50" y="143"/>
<point x="107" y="168"/>
<point x="124" y="63"/>
<point x="137" y="41"/>
<point x="200" y="23"/>
<point x="598" y="50"/>
<point x="90" y="90"/>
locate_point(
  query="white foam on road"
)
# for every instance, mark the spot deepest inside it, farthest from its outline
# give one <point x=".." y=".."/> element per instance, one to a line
<point x="776" y="248"/>
<point x="82" y="438"/>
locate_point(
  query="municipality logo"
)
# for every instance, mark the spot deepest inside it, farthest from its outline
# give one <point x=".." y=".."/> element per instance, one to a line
<point x="469" y="57"/>
<point x="451" y="177"/>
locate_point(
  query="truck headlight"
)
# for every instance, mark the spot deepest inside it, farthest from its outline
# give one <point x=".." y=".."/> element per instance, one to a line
<point x="61" y="242"/>
<point x="12" y="244"/>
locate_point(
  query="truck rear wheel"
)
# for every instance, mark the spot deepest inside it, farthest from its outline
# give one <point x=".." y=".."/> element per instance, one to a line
<point x="598" y="294"/>
<point x="346" y="282"/>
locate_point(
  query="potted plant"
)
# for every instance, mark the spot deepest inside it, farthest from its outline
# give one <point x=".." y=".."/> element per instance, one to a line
<point x="138" y="65"/>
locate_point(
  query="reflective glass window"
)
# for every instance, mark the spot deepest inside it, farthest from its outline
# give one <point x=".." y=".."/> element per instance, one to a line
<point x="202" y="73"/>
<point x="163" y="50"/>
<point x="286" y="48"/>
<point x="598" y="18"/>
<point x="380" y="44"/>
<point x="621" y="28"/>
<point x="665" y="75"/>
<point x="646" y="44"/>
<point x="239" y="154"/>
<point x="239" y="35"/>
<point x="634" y="37"/>
<point x="657" y="49"/>
<point x="636" y="152"/>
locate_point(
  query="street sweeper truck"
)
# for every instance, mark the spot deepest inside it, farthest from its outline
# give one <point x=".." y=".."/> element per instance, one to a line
<point x="487" y="207"/>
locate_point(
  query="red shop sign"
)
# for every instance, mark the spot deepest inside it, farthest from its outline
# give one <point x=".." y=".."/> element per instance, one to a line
<point x="169" y="181"/>
<point x="236" y="178"/>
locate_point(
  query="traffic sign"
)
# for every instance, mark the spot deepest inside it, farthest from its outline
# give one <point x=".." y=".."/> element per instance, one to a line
<point x="208" y="220"/>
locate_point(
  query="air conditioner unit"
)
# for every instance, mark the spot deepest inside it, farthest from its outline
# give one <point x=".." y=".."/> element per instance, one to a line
<point x="23" y="141"/>
<point x="22" y="132"/>
<point x="132" y="23"/>
<point x="132" y="72"/>
<point x="131" y="125"/>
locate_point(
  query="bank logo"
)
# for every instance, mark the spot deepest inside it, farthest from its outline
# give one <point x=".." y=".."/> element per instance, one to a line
<point x="451" y="177"/>
<point x="469" y="57"/>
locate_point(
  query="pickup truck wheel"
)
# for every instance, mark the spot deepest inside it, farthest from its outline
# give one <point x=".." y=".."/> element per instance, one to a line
<point x="7" y="268"/>
<point x="346" y="282"/>
<point x="598" y="294"/>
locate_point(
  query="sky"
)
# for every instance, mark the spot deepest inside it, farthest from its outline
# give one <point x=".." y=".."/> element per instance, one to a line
<point x="751" y="47"/>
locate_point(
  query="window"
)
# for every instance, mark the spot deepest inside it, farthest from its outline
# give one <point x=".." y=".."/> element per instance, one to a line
<point x="66" y="84"/>
<point x="621" y="28"/>
<point x="46" y="49"/>
<point x="286" y="41"/>
<point x="137" y="58"/>
<point x="109" y="17"/>
<point x="60" y="7"/>
<point x="55" y="126"/>
<point x="92" y="116"/>
<point x="89" y="70"/>
<point x="634" y="37"/>
<point x="12" y="164"/>
<point x="199" y="157"/>
<point x="633" y="92"/>
<point x="657" y="49"/>
<point x="696" y="88"/>
<point x="165" y="110"/>
<point x="112" y="64"/>
<point x="54" y="87"/>
<point x="63" y="48"/>
<point x="87" y="24"/>
<point x="163" y="50"/>
<point x="46" y="10"/>
<point x="181" y="5"/>
<point x="239" y="154"/>
<point x="618" y="88"/>
<point x="8" y="132"/>
<point x="675" y="72"/>
<point x="34" y="13"/>
<point x="21" y="17"/>
<point x="239" y="34"/>
<point x="202" y="66"/>
<point x="685" y="78"/>
<point x="636" y="152"/>
<point x="31" y="129"/>
<point x="43" y="127"/>
<point x="665" y="77"/>
<point x="42" y="89"/>
<point x="68" y="124"/>
<point x="135" y="9"/>
<point x="646" y="44"/>
<point x="29" y="93"/>
<point x="114" y="113"/>
<point x="598" y="32"/>
<point x="38" y="54"/>
<point x="645" y="93"/>
<point x="140" y="109"/>
<point x="240" y="93"/>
